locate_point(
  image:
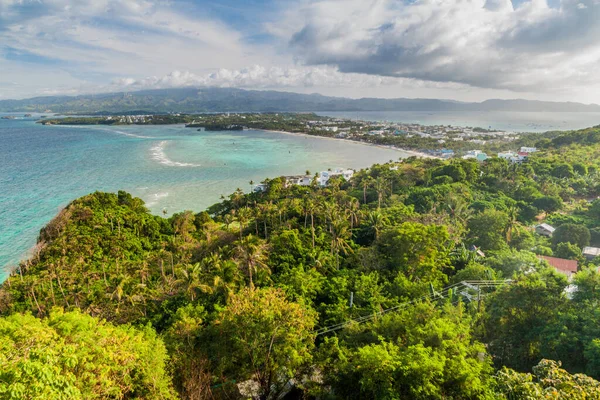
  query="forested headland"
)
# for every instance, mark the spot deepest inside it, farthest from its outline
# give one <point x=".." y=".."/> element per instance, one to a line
<point x="419" y="279"/>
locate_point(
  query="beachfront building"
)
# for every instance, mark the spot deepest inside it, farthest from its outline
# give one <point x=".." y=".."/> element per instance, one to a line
<point x="321" y="180"/>
<point x="326" y="175"/>
<point x="300" y="180"/>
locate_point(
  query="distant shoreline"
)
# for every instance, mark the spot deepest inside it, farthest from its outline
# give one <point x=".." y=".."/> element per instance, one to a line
<point x="409" y="153"/>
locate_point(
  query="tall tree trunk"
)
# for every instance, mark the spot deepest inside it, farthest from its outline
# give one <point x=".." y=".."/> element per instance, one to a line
<point x="312" y="229"/>
<point x="36" y="302"/>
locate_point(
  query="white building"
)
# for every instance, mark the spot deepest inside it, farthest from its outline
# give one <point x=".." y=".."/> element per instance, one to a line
<point x="525" y="149"/>
<point x="512" y="156"/>
<point x="326" y="175"/>
<point x="591" y="252"/>
<point x="507" y="155"/>
<point x="545" y="230"/>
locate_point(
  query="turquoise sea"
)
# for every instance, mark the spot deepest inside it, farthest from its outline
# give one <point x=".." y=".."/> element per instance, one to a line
<point x="43" y="168"/>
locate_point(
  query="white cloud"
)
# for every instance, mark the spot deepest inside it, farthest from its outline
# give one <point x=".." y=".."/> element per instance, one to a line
<point x="464" y="49"/>
<point x="260" y="77"/>
<point x="101" y="39"/>
<point x="482" y="43"/>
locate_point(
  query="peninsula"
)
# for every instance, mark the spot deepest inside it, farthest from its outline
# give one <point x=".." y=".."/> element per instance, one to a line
<point x="436" y="140"/>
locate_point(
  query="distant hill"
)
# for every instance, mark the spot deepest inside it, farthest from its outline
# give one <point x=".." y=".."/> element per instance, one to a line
<point x="190" y="100"/>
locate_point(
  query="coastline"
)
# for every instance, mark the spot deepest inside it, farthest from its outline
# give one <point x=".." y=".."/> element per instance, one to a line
<point x="410" y="153"/>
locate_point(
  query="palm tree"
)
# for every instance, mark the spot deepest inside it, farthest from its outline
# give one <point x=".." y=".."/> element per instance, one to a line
<point x="353" y="212"/>
<point x="309" y="208"/>
<point x="380" y="185"/>
<point x="224" y="275"/>
<point x="458" y="208"/>
<point x="243" y="216"/>
<point x="461" y="257"/>
<point x="228" y="219"/>
<point x="513" y="213"/>
<point x="366" y="182"/>
<point x="237" y="197"/>
<point x="251" y="186"/>
<point x="376" y="222"/>
<point x="250" y="254"/>
<point x="189" y="277"/>
<point x="119" y="292"/>
<point x="339" y="239"/>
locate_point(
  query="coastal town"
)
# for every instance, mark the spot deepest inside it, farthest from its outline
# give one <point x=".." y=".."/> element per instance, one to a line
<point x="442" y="141"/>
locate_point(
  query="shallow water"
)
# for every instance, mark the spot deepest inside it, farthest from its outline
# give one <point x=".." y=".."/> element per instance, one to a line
<point x="42" y="168"/>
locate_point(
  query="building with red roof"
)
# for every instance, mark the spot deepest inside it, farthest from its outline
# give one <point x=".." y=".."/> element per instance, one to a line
<point x="566" y="267"/>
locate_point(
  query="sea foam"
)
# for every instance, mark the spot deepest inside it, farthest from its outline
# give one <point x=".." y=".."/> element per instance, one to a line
<point x="157" y="152"/>
<point x="130" y="134"/>
<point x="155" y="198"/>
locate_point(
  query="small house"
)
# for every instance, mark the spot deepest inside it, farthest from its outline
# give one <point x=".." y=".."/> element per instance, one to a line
<point x="561" y="265"/>
<point x="508" y="155"/>
<point x="525" y="149"/>
<point x="591" y="252"/>
<point x="545" y="230"/>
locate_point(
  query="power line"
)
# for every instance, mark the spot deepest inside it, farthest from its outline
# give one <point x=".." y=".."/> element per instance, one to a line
<point x="472" y="285"/>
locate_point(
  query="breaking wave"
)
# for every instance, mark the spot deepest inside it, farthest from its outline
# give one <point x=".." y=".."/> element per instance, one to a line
<point x="157" y="152"/>
<point x="131" y="134"/>
<point x="155" y="198"/>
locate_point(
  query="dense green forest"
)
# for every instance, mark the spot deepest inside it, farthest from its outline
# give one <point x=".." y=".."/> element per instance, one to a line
<point x="418" y="279"/>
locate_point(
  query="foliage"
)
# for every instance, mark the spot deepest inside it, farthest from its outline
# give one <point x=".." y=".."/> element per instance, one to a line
<point x="548" y="381"/>
<point x="571" y="233"/>
<point x="75" y="356"/>
<point x="265" y="338"/>
<point x="238" y="292"/>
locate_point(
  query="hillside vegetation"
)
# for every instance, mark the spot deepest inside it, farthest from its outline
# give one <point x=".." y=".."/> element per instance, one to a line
<point x="213" y="99"/>
<point x="352" y="291"/>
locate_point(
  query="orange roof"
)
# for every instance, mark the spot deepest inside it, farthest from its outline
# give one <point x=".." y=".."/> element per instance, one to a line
<point x="561" y="264"/>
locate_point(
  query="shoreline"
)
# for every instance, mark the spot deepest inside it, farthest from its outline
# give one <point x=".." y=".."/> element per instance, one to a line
<point x="410" y="153"/>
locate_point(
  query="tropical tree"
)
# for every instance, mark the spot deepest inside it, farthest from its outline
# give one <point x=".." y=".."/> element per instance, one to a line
<point x="75" y="356"/>
<point x="265" y="338"/>
<point x="251" y="256"/>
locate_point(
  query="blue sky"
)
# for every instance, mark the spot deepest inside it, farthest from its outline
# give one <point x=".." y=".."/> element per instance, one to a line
<point x="458" y="49"/>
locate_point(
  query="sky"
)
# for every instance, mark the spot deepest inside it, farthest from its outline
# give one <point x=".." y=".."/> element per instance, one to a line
<point x="467" y="50"/>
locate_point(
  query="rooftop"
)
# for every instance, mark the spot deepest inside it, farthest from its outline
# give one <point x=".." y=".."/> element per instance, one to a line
<point x="561" y="264"/>
<point x="592" y="251"/>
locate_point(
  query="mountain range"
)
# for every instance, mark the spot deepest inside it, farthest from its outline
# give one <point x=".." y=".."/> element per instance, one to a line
<point x="191" y="100"/>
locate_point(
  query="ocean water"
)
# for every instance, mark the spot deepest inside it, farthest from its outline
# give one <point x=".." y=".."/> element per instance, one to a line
<point x="43" y="168"/>
<point x="506" y="121"/>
